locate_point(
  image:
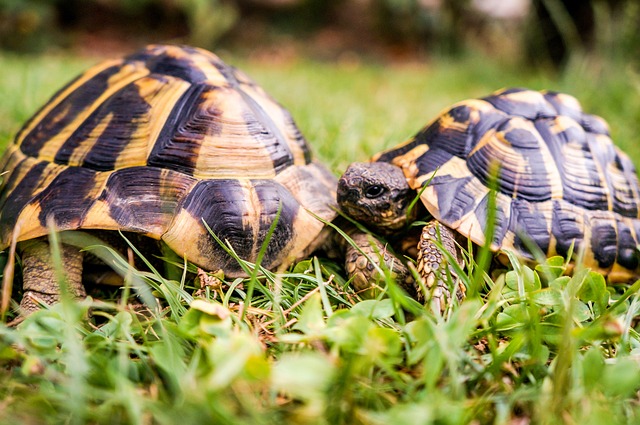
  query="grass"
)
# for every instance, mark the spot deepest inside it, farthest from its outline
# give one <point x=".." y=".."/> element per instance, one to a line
<point x="531" y="345"/>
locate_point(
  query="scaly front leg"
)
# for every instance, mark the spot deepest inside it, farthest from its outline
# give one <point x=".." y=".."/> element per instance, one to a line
<point x="433" y="265"/>
<point x="40" y="280"/>
<point x="364" y="273"/>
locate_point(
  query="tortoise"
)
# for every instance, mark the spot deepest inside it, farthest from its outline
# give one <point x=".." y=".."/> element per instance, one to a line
<point x="163" y="143"/>
<point x="561" y="183"/>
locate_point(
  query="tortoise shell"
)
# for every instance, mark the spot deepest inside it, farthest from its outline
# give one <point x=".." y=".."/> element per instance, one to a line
<point x="161" y="143"/>
<point x="561" y="180"/>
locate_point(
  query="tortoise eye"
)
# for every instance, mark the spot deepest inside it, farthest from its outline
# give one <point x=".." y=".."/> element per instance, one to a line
<point x="373" y="191"/>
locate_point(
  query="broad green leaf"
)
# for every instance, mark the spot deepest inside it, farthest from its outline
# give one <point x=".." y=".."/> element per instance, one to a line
<point x="348" y="331"/>
<point x="529" y="280"/>
<point x="560" y="283"/>
<point x="462" y="322"/>
<point x="581" y="312"/>
<point x="311" y="320"/>
<point x="121" y="322"/>
<point x="374" y="309"/>
<point x="408" y="414"/>
<point x="239" y="355"/>
<point x="594" y="288"/>
<point x="554" y="267"/>
<point x="547" y="297"/>
<point x="302" y="267"/>
<point x="168" y="354"/>
<point x="382" y="342"/>
<point x="206" y="317"/>
<point x="513" y="316"/>
<point x="421" y="335"/>
<point x="622" y="378"/>
<point x="592" y="368"/>
<point x="302" y="375"/>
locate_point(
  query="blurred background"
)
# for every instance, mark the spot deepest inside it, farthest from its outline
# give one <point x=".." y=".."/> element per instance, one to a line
<point x="368" y="73"/>
<point x="541" y="32"/>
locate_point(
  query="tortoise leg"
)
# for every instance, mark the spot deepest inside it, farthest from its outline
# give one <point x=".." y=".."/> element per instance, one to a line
<point x="432" y="265"/>
<point x="363" y="272"/>
<point x="40" y="281"/>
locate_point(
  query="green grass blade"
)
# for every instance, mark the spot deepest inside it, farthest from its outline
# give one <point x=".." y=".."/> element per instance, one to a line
<point x="415" y="200"/>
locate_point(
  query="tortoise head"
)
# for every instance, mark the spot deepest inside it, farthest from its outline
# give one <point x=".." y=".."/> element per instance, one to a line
<point x="375" y="193"/>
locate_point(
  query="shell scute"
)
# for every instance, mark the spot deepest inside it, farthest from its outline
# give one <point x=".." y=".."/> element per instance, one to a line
<point x="192" y="118"/>
<point x="604" y="238"/>
<point x="531" y="225"/>
<point x="567" y="227"/>
<point x="625" y="196"/>
<point x="233" y="209"/>
<point x="594" y="124"/>
<point x="523" y="161"/>
<point x="69" y="111"/>
<point x="67" y="198"/>
<point x="177" y="66"/>
<point x="456" y="197"/>
<point x="502" y="217"/>
<point x="26" y="181"/>
<point x="55" y="121"/>
<point x="522" y="103"/>
<point x="142" y="199"/>
<point x="120" y="121"/>
<point x="565" y="105"/>
<point x="627" y="255"/>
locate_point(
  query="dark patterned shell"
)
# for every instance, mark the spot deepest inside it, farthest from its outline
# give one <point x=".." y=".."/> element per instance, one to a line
<point x="561" y="179"/>
<point x="158" y="143"/>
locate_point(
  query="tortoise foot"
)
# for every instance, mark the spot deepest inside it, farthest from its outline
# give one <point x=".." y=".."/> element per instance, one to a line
<point x="40" y="276"/>
<point x="439" y="277"/>
<point x="364" y="273"/>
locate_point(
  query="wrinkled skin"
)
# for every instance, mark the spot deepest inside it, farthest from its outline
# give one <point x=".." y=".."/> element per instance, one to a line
<point x="376" y="194"/>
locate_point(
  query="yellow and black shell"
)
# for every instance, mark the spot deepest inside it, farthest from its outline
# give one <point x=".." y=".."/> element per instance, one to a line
<point x="160" y="143"/>
<point x="560" y="181"/>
